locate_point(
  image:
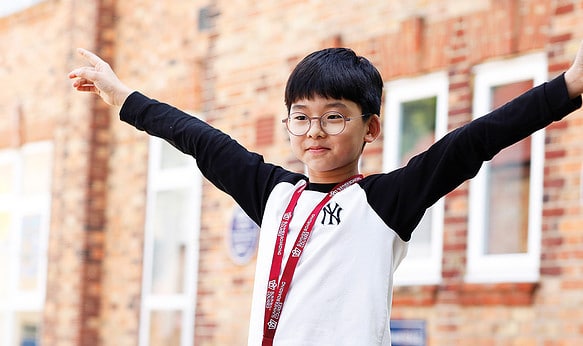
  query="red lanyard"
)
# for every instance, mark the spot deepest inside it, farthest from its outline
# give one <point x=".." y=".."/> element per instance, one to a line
<point x="276" y="292"/>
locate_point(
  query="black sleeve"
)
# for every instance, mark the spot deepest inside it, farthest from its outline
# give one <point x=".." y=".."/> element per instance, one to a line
<point x="402" y="196"/>
<point x="224" y="162"/>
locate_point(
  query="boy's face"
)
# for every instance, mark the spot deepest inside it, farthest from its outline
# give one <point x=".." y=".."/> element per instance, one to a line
<point x="332" y="158"/>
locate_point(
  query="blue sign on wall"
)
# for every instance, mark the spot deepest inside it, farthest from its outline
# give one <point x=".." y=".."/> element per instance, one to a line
<point x="408" y="333"/>
<point x="242" y="237"/>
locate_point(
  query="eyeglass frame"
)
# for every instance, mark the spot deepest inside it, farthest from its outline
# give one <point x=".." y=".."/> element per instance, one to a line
<point x="346" y="119"/>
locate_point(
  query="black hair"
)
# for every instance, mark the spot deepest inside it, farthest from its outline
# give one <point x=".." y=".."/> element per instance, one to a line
<point x="336" y="73"/>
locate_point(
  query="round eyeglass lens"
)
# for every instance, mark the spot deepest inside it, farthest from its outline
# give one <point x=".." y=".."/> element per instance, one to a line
<point x="333" y="123"/>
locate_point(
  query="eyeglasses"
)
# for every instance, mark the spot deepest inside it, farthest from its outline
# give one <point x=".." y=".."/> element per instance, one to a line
<point x="332" y="123"/>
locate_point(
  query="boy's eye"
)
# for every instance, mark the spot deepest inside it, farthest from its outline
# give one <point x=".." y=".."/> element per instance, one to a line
<point x="298" y="117"/>
<point x="334" y="116"/>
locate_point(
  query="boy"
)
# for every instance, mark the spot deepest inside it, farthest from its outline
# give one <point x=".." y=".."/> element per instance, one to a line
<point x="330" y="242"/>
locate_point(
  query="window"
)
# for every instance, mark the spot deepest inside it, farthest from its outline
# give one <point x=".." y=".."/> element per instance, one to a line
<point x="12" y="6"/>
<point x="416" y="116"/>
<point x="25" y="185"/>
<point x="170" y="247"/>
<point x="506" y="196"/>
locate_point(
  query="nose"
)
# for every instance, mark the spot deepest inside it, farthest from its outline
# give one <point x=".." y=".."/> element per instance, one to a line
<point x="315" y="130"/>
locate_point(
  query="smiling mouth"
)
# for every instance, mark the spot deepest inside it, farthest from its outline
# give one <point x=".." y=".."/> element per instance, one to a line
<point x="316" y="149"/>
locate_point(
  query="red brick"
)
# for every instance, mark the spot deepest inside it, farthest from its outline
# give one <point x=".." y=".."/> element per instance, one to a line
<point x="236" y="68"/>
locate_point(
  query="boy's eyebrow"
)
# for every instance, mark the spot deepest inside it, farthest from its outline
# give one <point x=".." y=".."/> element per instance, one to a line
<point x="336" y="104"/>
<point x="333" y="104"/>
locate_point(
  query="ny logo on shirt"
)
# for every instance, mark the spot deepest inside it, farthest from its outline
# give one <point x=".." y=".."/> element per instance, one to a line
<point x="331" y="214"/>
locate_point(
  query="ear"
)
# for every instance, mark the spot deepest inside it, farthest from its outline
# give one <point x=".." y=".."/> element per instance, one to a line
<point x="373" y="128"/>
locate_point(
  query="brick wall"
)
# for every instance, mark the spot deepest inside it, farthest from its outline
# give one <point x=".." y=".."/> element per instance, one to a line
<point x="35" y="59"/>
<point x="406" y="41"/>
<point x="159" y="51"/>
<point x="233" y="74"/>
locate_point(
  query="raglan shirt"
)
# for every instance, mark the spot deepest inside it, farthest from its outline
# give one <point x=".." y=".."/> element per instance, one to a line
<point x="341" y="292"/>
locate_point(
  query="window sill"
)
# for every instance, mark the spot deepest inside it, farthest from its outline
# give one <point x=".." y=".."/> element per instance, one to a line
<point x="512" y="294"/>
<point x="467" y="294"/>
<point x="425" y="295"/>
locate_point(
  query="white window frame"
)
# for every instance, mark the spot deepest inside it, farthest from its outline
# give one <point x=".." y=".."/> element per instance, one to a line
<point x="186" y="177"/>
<point x="415" y="270"/>
<point x="506" y="267"/>
<point x="18" y="206"/>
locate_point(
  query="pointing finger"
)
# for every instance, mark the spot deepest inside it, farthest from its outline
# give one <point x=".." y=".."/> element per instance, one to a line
<point x="92" y="58"/>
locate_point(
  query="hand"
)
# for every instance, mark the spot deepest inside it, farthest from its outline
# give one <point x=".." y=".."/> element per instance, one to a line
<point x="100" y="79"/>
<point x="574" y="75"/>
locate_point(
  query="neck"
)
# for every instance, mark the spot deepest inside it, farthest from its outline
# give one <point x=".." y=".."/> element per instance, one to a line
<point x="329" y="177"/>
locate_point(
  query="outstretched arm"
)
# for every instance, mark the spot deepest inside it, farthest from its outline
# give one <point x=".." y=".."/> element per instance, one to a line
<point x="227" y="164"/>
<point x="574" y="75"/>
<point x="100" y="79"/>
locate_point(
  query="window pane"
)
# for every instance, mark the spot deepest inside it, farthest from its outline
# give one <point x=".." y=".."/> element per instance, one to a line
<point x="165" y="328"/>
<point x="508" y="181"/>
<point x="417" y="127"/>
<point x="28" y="328"/>
<point x="4" y="253"/>
<point x="170" y="241"/>
<point x="6" y="178"/>
<point x="30" y="253"/>
<point x="36" y="173"/>
<point x="172" y="157"/>
<point x="508" y="205"/>
<point x="3" y="327"/>
<point x="417" y="134"/>
<point x="420" y="244"/>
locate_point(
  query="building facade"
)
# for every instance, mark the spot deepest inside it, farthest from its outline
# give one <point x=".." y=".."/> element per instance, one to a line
<point x="109" y="237"/>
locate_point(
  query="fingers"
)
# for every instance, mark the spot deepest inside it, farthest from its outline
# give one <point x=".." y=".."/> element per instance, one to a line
<point x="76" y="73"/>
<point x="99" y="78"/>
<point x="81" y="81"/>
<point x="85" y="73"/>
<point x="89" y="73"/>
<point x="89" y="56"/>
<point x="87" y="88"/>
<point x="84" y="84"/>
